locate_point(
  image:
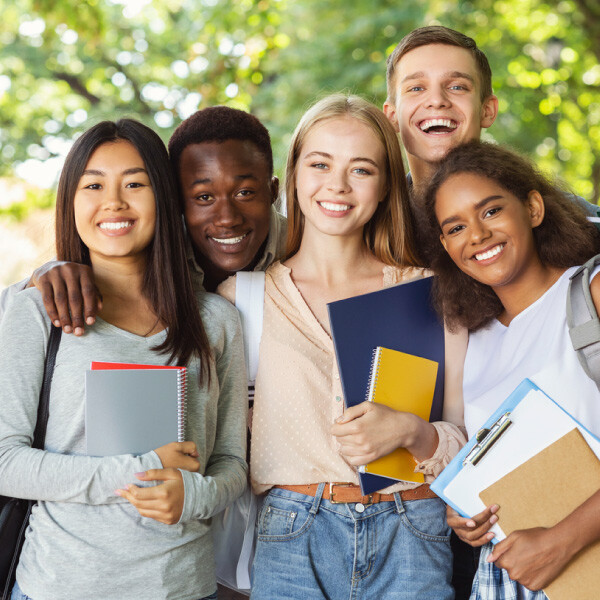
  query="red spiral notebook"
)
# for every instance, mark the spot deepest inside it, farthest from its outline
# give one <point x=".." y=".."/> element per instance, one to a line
<point x="133" y="408"/>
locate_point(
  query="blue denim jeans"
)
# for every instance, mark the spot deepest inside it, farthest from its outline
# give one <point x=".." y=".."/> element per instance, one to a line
<point x="310" y="549"/>
<point x="17" y="594"/>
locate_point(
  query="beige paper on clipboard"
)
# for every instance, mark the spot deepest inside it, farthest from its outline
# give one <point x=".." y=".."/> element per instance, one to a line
<point x="537" y="422"/>
<point x="543" y="491"/>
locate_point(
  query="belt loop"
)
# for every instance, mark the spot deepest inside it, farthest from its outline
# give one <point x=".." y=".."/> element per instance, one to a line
<point x="399" y="504"/>
<point x="317" y="501"/>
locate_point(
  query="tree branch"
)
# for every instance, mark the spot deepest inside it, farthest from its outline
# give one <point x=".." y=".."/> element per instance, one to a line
<point x="77" y="86"/>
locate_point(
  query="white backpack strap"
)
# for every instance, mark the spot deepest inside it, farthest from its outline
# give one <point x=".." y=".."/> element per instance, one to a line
<point x="249" y="300"/>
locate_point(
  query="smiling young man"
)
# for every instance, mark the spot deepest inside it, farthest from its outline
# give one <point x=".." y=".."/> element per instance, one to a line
<point x="439" y="96"/>
<point x="223" y="161"/>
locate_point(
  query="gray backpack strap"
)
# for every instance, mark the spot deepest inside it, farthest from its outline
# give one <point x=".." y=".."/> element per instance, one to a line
<point x="249" y="300"/>
<point x="583" y="321"/>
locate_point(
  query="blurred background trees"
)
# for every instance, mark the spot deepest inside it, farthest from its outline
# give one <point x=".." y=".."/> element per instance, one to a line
<point x="65" y="64"/>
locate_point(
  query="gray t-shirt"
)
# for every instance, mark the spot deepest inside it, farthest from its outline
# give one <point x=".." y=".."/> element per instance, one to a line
<point x="84" y="541"/>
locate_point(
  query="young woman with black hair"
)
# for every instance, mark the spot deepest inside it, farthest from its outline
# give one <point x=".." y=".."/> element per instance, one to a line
<point x="93" y="534"/>
<point x="509" y="242"/>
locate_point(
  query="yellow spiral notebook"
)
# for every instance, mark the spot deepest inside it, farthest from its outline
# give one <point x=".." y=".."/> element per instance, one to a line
<point x="406" y="383"/>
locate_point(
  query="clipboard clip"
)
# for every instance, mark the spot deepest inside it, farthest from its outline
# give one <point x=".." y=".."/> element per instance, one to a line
<point x="486" y="438"/>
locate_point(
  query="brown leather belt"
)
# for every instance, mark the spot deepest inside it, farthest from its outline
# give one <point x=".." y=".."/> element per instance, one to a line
<point x="342" y="493"/>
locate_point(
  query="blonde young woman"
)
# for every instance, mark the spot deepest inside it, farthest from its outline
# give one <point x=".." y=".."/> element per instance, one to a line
<point x="348" y="235"/>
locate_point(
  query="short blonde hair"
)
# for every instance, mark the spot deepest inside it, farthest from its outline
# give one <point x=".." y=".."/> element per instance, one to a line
<point x="388" y="234"/>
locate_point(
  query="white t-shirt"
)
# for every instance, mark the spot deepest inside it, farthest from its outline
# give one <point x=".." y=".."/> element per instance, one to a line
<point x="536" y="344"/>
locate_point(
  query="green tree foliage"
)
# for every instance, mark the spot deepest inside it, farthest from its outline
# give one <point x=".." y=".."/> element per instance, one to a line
<point x="67" y="63"/>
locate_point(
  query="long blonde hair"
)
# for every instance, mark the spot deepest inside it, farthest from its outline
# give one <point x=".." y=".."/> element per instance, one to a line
<point x="388" y="234"/>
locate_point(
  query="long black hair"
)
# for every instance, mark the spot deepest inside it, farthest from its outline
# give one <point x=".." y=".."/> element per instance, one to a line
<point x="167" y="283"/>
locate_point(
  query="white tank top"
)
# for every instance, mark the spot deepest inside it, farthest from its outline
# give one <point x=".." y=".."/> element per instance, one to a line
<point x="536" y="344"/>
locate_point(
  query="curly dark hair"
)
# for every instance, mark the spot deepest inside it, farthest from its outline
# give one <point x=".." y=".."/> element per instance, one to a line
<point x="219" y="124"/>
<point x="565" y="237"/>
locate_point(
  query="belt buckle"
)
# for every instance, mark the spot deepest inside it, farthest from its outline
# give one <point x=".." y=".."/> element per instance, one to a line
<point x="332" y="495"/>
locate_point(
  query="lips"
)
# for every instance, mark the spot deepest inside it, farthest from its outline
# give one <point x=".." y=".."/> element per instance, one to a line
<point x="487" y="254"/>
<point x="334" y="206"/>
<point x="438" y="125"/>
<point x="116" y="225"/>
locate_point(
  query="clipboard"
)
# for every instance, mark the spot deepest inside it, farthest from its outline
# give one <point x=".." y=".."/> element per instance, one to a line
<point x="527" y="422"/>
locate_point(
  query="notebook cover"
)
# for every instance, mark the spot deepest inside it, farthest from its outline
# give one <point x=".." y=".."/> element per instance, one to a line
<point x="528" y="497"/>
<point x="131" y="411"/>
<point x="399" y="317"/>
<point x="403" y="382"/>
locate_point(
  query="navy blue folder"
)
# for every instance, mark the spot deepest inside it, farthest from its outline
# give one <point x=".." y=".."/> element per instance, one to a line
<point x="401" y="318"/>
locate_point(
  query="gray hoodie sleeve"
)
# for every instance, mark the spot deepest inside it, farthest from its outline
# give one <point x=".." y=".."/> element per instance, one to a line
<point x="57" y="473"/>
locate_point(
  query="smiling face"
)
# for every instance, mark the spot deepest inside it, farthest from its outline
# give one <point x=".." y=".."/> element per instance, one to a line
<point x="437" y="104"/>
<point x="340" y="176"/>
<point x="114" y="206"/>
<point x="486" y="230"/>
<point x="227" y="191"/>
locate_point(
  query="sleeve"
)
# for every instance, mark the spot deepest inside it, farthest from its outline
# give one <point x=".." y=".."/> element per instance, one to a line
<point x="9" y="293"/>
<point x="451" y="435"/>
<point x="226" y="473"/>
<point x="46" y="475"/>
<point x="450" y="440"/>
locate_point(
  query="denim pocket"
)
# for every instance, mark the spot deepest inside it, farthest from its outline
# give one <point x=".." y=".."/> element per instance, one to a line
<point x="426" y="519"/>
<point x="283" y="519"/>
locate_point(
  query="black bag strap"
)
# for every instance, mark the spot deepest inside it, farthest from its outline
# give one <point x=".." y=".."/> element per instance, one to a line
<point x="39" y="435"/>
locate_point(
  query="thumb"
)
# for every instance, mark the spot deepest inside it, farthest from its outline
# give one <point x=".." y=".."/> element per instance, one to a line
<point x="188" y="448"/>
<point x="354" y="412"/>
<point x="159" y="474"/>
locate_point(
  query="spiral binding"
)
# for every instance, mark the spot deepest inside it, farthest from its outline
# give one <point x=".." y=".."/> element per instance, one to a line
<point x="182" y="403"/>
<point x="374" y="374"/>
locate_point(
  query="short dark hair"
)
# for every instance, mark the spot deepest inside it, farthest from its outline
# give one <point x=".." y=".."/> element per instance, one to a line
<point x="436" y="34"/>
<point x="564" y="238"/>
<point x="219" y="124"/>
<point x="167" y="282"/>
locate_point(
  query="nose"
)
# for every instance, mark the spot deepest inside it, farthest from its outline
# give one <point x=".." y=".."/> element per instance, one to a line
<point x="338" y="182"/>
<point x="227" y="214"/>
<point x="113" y="198"/>
<point x="438" y="98"/>
<point x="479" y="232"/>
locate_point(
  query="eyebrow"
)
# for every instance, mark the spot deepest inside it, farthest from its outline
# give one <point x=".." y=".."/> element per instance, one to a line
<point x="99" y="173"/>
<point x="353" y="159"/>
<point x="450" y="74"/>
<point x="479" y="205"/>
<point x="241" y="177"/>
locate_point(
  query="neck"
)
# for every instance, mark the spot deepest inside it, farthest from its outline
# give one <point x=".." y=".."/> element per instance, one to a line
<point x="334" y="260"/>
<point x="516" y="297"/>
<point x="122" y="277"/>
<point x="421" y="173"/>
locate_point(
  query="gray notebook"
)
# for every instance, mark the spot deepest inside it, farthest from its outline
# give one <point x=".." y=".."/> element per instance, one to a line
<point x="133" y="411"/>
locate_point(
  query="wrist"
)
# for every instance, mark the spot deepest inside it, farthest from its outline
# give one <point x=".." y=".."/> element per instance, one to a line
<point x="421" y="438"/>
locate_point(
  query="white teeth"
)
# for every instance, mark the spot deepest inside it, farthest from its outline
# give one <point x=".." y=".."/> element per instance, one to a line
<point x="115" y="226"/>
<point x="484" y="255"/>
<point x="425" y="125"/>
<point x="228" y="241"/>
<point x="335" y="207"/>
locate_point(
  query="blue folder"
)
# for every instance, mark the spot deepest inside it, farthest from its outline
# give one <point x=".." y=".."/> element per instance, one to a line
<point x="400" y="318"/>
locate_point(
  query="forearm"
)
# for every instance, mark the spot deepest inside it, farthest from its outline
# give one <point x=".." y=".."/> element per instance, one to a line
<point x="206" y="495"/>
<point x="420" y="437"/>
<point x="48" y="476"/>
<point x="582" y="527"/>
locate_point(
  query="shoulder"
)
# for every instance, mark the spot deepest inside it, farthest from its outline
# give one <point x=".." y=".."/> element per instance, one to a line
<point x="216" y="308"/>
<point x="227" y="289"/>
<point x="395" y="275"/>
<point x="591" y="210"/>
<point x="25" y="318"/>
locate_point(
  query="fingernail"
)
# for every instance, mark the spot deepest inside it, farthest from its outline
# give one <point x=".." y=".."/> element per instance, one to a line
<point x="118" y="493"/>
<point x="491" y="535"/>
<point x="494" y="508"/>
<point x="78" y="331"/>
<point x="493" y="519"/>
<point x="195" y="454"/>
<point x="489" y="559"/>
<point x="56" y="323"/>
<point x="470" y="523"/>
<point x="140" y="474"/>
<point x="90" y="320"/>
<point x="68" y="329"/>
